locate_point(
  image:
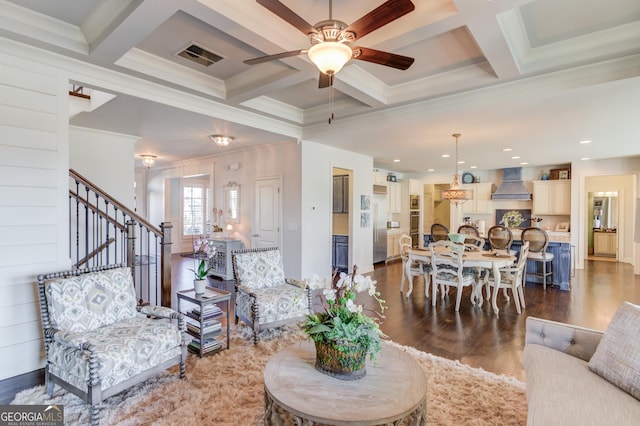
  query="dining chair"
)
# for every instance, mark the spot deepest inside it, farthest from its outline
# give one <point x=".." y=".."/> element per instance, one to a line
<point x="500" y="238"/>
<point x="468" y="230"/>
<point x="511" y="278"/>
<point x="439" y="232"/>
<point x="416" y="269"/>
<point x="472" y="243"/>
<point x="448" y="270"/>
<point x="538" y="240"/>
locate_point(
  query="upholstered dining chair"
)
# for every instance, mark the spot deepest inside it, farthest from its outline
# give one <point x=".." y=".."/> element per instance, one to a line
<point x="448" y="270"/>
<point x="98" y="340"/>
<point x="500" y="238"/>
<point x="468" y="230"/>
<point x="439" y="232"/>
<point x="416" y="269"/>
<point x="538" y="240"/>
<point x="264" y="297"/>
<point x="511" y="278"/>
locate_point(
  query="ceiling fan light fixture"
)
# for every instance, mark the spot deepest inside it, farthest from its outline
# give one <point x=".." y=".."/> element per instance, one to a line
<point x="148" y="160"/>
<point x="221" y="140"/>
<point x="330" y="56"/>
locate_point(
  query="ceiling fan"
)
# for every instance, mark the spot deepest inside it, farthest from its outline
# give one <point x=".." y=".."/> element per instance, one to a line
<point x="330" y="39"/>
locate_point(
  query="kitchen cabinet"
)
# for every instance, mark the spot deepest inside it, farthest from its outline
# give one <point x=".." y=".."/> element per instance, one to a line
<point x="340" y="253"/>
<point x="393" y="242"/>
<point x="481" y="202"/>
<point x="605" y="244"/>
<point x="561" y="264"/>
<point x="395" y="197"/>
<point x="552" y="197"/>
<point x="415" y="187"/>
<point x="379" y="178"/>
<point x="341" y="194"/>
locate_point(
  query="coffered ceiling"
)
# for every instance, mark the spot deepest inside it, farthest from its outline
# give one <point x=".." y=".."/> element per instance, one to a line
<point x="536" y="76"/>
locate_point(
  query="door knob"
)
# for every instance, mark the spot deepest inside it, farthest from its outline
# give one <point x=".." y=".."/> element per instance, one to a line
<point x="255" y="235"/>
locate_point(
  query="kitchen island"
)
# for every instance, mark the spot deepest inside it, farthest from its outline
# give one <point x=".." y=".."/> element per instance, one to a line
<point x="559" y="245"/>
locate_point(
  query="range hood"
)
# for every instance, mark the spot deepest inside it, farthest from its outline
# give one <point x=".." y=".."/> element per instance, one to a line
<point x="512" y="187"/>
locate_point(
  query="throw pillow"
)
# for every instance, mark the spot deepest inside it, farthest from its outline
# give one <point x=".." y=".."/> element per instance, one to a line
<point x="617" y="358"/>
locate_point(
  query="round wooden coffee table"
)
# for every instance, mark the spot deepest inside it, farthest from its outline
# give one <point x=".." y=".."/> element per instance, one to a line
<point x="394" y="388"/>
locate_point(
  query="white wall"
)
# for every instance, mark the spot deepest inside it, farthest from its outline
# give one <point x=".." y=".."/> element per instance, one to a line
<point x="318" y="162"/>
<point x="106" y="159"/>
<point x="280" y="160"/>
<point x="33" y="202"/>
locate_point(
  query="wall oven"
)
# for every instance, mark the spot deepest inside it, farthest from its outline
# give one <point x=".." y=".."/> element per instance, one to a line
<point x="414" y="228"/>
<point x="414" y="202"/>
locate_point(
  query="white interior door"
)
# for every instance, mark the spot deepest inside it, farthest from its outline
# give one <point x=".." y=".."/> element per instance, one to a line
<point x="266" y="214"/>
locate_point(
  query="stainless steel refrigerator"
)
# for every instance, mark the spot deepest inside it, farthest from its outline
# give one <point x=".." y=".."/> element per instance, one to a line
<point x="379" y="221"/>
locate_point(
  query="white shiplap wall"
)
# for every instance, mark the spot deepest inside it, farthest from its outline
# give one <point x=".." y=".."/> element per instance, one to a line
<point x="33" y="182"/>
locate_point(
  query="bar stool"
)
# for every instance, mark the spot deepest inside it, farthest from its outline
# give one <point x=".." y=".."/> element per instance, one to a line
<point x="538" y="241"/>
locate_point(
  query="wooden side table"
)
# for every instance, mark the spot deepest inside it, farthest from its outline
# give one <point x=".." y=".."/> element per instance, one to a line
<point x="395" y="388"/>
<point x="205" y="319"/>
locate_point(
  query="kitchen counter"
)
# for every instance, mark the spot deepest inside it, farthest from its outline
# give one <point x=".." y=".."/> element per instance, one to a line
<point x="554" y="237"/>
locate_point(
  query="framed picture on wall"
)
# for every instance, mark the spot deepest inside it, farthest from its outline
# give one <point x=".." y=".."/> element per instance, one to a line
<point x="562" y="227"/>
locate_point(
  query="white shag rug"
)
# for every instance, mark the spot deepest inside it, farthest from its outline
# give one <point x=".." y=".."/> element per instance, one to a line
<point x="227" y="389"/>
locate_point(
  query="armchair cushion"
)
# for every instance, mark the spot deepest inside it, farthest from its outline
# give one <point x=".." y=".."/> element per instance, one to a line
<point x="89" y="301"/>
<point x="275" y="303"/>
<point x="123" y="349"/>
<point x="617" y="358"/>
<point x="260" y="269"/>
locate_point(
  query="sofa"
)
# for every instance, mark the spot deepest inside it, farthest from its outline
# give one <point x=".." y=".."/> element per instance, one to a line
<point x="561" y="386"/>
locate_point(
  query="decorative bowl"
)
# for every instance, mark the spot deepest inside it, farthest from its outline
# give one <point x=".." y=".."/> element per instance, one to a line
<point x="457" y="238"/>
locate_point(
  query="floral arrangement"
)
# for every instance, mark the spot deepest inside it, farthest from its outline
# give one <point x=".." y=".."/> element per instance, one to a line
<point x="343" y="321"/>
<point x="203" y="250"/>
<point x="536" y="219"/>
<point x="217" y="216"/>
<point x="512" y="219"/>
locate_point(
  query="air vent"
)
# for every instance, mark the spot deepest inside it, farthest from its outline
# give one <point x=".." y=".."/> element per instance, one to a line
<point x="199" y="55"/>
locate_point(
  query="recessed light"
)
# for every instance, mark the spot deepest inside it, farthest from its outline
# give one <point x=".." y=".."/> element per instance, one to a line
<point x="396" y="160"/>
<point x="585" y="142"/>
<point x="473" y="167"/>
<point x="446" y="155"/>
<point x="585" y="158"/>
<point x="506" y="149"/>
<point x="461" y="162"/>
<point x="429" y="170"/>
<point x="524" y="163"/>
<point x="515" y="157"/>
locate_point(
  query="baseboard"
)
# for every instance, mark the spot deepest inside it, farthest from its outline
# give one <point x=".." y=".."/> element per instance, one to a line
<point x="11" y="386"/>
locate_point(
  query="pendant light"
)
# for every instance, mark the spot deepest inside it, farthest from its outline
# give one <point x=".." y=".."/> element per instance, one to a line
<point x="456" y="195"/>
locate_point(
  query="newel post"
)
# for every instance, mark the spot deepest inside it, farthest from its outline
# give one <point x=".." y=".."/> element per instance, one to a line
<point x="131" y="246"/>
<point x="165" y="264"/>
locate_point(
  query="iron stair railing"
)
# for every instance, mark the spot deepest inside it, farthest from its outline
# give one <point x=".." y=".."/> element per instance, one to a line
<point x="103" y="231"/>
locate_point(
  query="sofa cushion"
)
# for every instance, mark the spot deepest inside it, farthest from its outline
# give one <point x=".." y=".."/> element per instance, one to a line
<point x="617" y="358"/>
<point x="561" y="390"/>
<point x="92" y="300"/>
<point x="123" y="350"/>
<point x="275" y="303"/>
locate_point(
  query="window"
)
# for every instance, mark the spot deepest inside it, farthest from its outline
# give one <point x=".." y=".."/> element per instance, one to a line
<point x="193" y="214"/>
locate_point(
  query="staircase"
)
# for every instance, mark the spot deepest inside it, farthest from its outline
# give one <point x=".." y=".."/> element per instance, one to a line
<point x="102" y="231"/>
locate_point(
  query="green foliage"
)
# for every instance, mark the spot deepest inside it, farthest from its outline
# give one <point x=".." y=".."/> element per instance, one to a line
<point x="343" y="322"/>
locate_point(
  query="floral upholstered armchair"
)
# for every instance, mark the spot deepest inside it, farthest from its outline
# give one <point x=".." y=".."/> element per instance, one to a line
<point x="98" y="341"/>
<point x="264" y="297"/>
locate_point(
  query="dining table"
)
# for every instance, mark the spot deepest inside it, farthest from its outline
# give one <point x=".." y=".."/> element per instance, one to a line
<point x="493" y="260"/>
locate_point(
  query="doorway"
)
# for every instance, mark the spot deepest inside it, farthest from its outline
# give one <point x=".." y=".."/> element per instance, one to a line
<point x="603" y="216"/>
<point x="267" y="213"/>
<point x="341" y="241"/>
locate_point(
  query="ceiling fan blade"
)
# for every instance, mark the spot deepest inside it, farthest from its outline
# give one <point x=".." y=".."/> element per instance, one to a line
<point x="380" y="16"/>
<point x="325" y="80"/>
<point x="383" y="58"/>
<point x="288" y="15"/>
<point x="268" y="58"/>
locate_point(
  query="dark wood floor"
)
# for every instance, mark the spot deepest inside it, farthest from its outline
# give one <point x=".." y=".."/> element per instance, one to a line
<point x="476" y="336"/>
